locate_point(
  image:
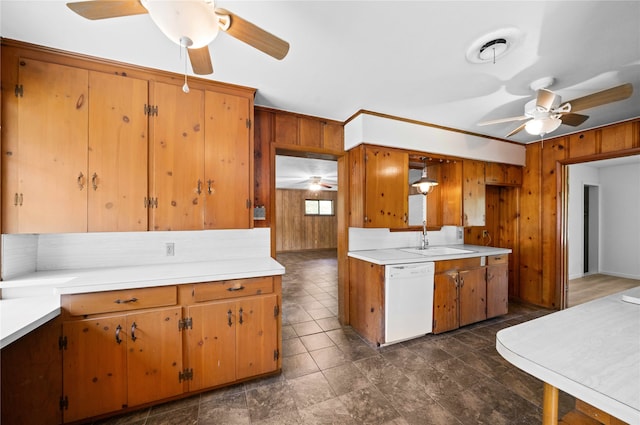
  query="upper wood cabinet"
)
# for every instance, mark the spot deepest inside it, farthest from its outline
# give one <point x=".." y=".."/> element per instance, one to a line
<point x="379" y="187"/>
<point x="77" y="159"/>
<point x="201" y="160"/>
<point x="444" y="204"/>
<point x="300" y="130"/>
<point x="502" y="174"/>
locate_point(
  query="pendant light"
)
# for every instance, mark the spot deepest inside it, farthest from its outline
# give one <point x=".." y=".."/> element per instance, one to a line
<point x="425" y="185"/>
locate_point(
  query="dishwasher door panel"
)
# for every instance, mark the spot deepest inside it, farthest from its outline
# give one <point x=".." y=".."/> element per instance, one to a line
<point x="408" y="301"/>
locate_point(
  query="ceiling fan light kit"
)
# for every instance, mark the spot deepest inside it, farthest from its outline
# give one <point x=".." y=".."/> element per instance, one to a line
<point x="192" y="21"/>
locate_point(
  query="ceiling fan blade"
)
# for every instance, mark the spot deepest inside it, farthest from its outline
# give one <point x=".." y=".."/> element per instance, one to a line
<point x="517" y="130"/>
<point x="253" y="35"/>
<point x="573" y="119"/>
<point x="545" y="99"/>
<point x="327" y="186"/>
<point x="201" y="60"/>
<point x="103" y="9"/>
<point x="501" y="120"/>
<point x="603" y="97"/>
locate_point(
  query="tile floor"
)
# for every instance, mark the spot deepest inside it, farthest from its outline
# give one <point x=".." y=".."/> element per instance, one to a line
<point x="331" y="376"/>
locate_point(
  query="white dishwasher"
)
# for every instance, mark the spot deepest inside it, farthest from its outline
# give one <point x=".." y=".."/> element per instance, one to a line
<point x="408" y="301"/>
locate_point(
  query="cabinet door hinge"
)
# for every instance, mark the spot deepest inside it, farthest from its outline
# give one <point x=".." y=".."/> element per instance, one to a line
<point x="185" y="375"/>
<point x="248" y="123"/>
<point x="62" y="342"/>
<point x="276" y="310"/>
<point x="185" y="323"/>
<point x="276" y="354"/>
<point x="19" y="90"/>
<point x="64" y="403"/>
<point x="151" y="110"/>
<point x="248" y="203"/>
<point x="150" y="202"/>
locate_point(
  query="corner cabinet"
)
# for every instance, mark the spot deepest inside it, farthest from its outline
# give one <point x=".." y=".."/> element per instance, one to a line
<point x="379" y="187"/>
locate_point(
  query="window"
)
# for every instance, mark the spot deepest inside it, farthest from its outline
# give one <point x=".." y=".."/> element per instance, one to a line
<point x="318" y="207"/>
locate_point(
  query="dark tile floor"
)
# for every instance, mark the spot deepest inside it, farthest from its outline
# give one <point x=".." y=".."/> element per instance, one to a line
<point x="331" y="376"/>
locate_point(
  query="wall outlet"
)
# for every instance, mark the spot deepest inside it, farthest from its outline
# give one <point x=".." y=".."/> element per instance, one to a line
<point x="460" y="233"/>
<point x="170" y="249"/>
<point x="485" y="233"/>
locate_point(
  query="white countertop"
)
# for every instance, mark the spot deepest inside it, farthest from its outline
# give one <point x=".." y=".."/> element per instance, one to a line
<point x="591" y="351"/>
<point x="33" y="299"/>
<point x="399" y="256"/>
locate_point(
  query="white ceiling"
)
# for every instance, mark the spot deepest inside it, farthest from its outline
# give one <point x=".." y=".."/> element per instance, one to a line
<point x="403" y="58"/>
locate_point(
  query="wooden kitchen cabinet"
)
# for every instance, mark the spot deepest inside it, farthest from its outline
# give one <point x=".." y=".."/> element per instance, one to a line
<point x="201" y="160"/>
<point x="122" y="359"/>
<point x="459" y="296"/>
<point x="497" y="285"/>
<point x="444" y="204"/>
<point x="234" y="330"/>
<point x="502" y="174"/>
<point x="302" y="130"/>
<point x="366" y="299"/>
<point x="379" y="187"/>
<point x="76" y="165"/>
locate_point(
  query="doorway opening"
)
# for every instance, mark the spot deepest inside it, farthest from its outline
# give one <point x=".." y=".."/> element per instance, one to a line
<point x="591" y="229"/>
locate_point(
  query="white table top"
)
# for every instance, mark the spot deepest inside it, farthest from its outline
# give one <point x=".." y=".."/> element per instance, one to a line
<point x="33" y="299"/>
<point x="591" y="351"/>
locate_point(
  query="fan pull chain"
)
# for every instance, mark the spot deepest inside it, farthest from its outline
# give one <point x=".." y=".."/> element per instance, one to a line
<point x="185" y="87"/>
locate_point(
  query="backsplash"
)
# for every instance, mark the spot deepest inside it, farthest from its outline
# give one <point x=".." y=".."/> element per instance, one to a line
<point x="363" y="239"/>
<point x="28" y="253"/>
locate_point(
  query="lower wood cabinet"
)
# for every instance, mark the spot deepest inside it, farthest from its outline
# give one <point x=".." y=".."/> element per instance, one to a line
<point x="232" y="340"/>
<point x="497" y="285"/>
<point x="111" y="352"/>
<point x="116" y="361"/>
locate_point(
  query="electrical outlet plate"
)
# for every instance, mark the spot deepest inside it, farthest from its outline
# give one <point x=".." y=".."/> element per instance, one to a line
<point x="485" y="233"/>
<point x="170" y="249"/>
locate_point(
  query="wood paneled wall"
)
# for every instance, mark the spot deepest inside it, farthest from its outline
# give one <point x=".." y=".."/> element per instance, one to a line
<point x="296" y="231"/>
<point x="541" y="239"/>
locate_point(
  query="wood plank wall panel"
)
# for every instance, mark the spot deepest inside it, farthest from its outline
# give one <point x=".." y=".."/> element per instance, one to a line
<point x="541" y="197"/>
<point x="507" y="236"/>
<point x="262" y="163"/>
<point x="530" y="228"/>
<point x="295" y="231"/>
<point x="552" y="152"/>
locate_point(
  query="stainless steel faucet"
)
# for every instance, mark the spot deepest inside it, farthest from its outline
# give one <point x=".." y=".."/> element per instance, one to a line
<point x="425" y="241"/>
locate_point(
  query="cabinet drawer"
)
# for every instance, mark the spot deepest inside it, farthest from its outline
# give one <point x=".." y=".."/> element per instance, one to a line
<point x="460" y="264"/>
<point x="498" y="259"/>
<point x="232" y="288"/>
<point x="123" y="300"/>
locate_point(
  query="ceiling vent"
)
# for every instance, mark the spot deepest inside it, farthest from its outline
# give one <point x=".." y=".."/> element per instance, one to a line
<point x="493" y="46"/>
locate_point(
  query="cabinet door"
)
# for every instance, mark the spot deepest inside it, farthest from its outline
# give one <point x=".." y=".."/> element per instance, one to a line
<point x="117" y="153"/>
<point x="94" y="367"/>
<point x="211" y="344"/>
<point x="154" y="355"/>
<point x="51" y="161"/>
<point x="257" y="335"/>
<point x="228" y="166"/>
<point x="387" y="188"/>
<point x="497" y="290"/>
<point x="177" y="159"/>
<point x="473" y="295"/>
<point x="445" y="302"/>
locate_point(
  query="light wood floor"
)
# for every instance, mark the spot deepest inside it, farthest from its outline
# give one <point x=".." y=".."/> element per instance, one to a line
<point x="594" y="286"/>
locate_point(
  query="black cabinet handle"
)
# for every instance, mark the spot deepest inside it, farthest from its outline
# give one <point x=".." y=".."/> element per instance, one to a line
<point x="133" y="331"/>
<point x="118" y="329"/>
<point x="240" y="319"/>
<point x="229" y="314"/>
<point x="235" y="288"/>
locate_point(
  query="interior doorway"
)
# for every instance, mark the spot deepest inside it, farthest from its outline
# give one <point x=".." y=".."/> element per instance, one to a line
<point x="591" y="229"/>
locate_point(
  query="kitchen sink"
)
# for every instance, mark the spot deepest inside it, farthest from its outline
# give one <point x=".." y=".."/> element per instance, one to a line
<point x="437" y="250"/>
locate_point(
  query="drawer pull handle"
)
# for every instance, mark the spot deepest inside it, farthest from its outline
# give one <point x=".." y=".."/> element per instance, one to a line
<point x="240" y="319"/>
<point x="235" y="288"/>
<point x="130" y="300"/>
<point x="229" y="313"/>
<point x="118" y="329"/>
<point x="133" y="331"/>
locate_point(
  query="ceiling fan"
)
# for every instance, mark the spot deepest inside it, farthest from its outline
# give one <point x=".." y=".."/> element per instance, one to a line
<point x="192" y="24"/>
<point x="546" y="112"/>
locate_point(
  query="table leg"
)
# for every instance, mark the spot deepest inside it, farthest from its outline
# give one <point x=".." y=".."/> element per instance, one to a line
<point x="549" y="405"/>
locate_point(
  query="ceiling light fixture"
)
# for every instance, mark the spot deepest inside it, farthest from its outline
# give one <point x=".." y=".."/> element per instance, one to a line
<point x="425" y="185"/>
<point x="493" y="46"/>
<point x="189" y="22"/>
